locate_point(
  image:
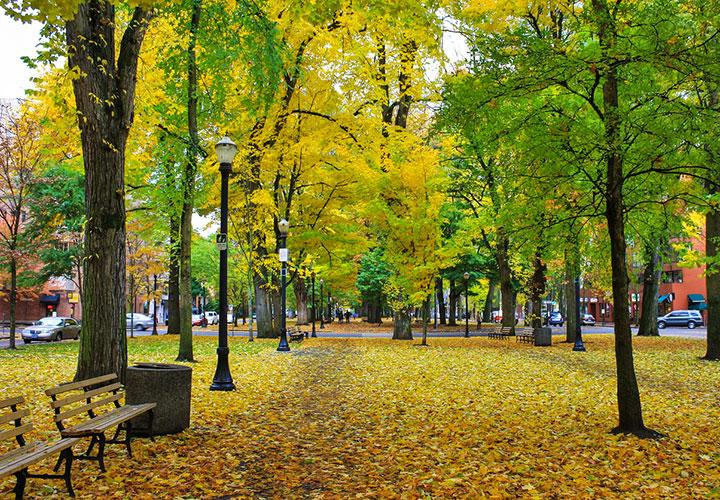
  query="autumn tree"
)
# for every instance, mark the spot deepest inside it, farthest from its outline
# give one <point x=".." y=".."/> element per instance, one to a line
<point x="20" y="163"/>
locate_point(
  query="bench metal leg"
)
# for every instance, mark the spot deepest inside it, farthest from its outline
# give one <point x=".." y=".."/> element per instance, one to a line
<point x="101" y="452"/>
<point x="150" y="425"/>
<point x="68" y="469"/>
<point x="128" y="437"/>
<point x="20" y="484"/>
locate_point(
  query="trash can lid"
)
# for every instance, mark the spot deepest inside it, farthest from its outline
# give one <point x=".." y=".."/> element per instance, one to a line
<point x="160" y="366"/>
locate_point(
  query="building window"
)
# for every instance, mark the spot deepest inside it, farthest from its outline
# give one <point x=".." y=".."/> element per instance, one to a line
<point x="672" y="276"/>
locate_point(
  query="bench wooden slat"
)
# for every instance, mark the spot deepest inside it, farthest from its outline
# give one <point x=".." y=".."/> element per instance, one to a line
<point x="9" y="417"/>
<point x="103" y="422"/>
<point x="71" y="386"/>
<point x="21" y="458"/>
<point x="11" y="401"/>
<point x="15" y="431"/>
<point x="85" y="395"/>
<point x="87" y="407"/>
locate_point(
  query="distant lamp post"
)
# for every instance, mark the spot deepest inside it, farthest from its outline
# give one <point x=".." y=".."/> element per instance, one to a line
<point x="322" y="309"/>
<point x="314" y="310"/>
<point x="579" y="346"/>
<point x="222" y="381"/>
<point x="467" y="310"/>
<point x="283" y="227"/>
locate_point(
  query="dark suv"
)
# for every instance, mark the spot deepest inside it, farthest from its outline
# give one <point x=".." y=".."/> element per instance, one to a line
<point x="691" y="319"/>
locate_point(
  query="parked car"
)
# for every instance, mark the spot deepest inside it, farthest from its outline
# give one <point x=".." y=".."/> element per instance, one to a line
<point x="138" y="321"/>
<point x="588" y="319"/>
<point x="199" y="320"/>
<point x="556" y="319"/>
<point x="212" y="317"/>
<point x="52" y="328"/>
<point x="690" y="319"/>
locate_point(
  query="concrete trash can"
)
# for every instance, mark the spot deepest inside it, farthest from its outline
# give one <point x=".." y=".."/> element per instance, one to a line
<point x="169" y="386"/>
<point x="543" y="336"/>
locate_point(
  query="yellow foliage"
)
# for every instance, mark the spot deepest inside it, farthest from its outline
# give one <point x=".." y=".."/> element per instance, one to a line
<point x="464" y="418"/>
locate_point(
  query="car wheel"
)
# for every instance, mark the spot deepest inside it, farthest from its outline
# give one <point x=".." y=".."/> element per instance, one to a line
<point x="58" y="336"/>
<point x="27" y="341"/>
<point x="661" y="324"/>
<point x="139" y="327"/>
<point x="691" y="324"/>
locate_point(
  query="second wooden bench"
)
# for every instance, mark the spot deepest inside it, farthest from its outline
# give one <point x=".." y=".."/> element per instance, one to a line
<point x="90" y="408"/>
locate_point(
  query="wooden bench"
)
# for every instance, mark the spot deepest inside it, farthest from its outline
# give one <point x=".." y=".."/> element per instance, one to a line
<point x="18" y="460"/>
<point x="76" y="414"/>
<point x="525" y="334"/>
<point x="500" y="332"/>
<point x="294" y="333"/>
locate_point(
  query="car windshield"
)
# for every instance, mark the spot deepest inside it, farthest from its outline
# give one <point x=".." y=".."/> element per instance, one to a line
<point x="50" y="322"/>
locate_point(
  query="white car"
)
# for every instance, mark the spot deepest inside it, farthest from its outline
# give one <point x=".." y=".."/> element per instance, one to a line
<point x="52" y="328"/>
<point x="138" y="321"/>
<point x="212" y="317"/>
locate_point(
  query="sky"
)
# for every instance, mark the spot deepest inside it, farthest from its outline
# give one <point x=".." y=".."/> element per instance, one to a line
<point x="16" y="40"/>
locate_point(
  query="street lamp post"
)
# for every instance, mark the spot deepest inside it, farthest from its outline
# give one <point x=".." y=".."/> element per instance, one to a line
<point x="579" y="346"/>
<point x="283" y="227"/>
<point x="314" y="310"/>
<point x="467" y="310"/>
<point x="322" y="309"/>
<point x="222" y="381"/>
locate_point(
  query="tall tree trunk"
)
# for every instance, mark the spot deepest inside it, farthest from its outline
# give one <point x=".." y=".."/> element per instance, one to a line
<point x="571" y="273"/>
<point x="425" y="318"/>
<point x="105" y="97"/>
<point x="628" y="393"/>
<point x="453" y="295"/>
<point x="301" y="300"/>
<point x="440" y="300"/>
<point x="651" y="284"/>
<point x="263" y="311"/>
<point x="712" y="282"/>
<point x="402" y="326"/>
<point x="487" y="310"/>
<point x="155" y="306"/>
<point x="507" y="289"/>
<point x="173" y="302"/>
<point x="13" y="301"/>
<point x="537" y="289"/>
<point x="185" y="351"/>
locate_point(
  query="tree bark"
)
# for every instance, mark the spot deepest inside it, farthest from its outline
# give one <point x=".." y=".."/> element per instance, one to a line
<point x="507" y="289"/>
<point x="453" y="303"/>
<point x="185" y="351"/>
<point x="13" y="301"/>
<point x="648" y="326"/>
<point x="628" y="393"/>
<point x="537" y="289"/>
<point x="712" y="281"/>
<point x="425" y="319"/>
<point x="442" y="310"/>
<point x="173" y="302"/>
<point x="571" y="273"/>
<point x="487" y="311"/>
<point x="263" y="311"/>
<point x="104" y="91"/>
<point x="402" y="324"/>
<point x="301" y="300"/>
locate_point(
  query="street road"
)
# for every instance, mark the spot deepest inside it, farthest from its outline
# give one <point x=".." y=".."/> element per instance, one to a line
<point x="697" y="333"/>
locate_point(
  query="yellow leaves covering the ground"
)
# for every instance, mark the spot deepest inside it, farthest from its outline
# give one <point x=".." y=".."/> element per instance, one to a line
<point x="337" y="418"/>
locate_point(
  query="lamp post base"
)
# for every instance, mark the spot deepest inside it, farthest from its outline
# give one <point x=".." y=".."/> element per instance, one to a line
<point x="284" y="346"/>
<point x="222" y="381"/>
<point x="579" y="346"/>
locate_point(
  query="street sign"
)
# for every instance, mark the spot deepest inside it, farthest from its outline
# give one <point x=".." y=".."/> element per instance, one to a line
<point x="284" y="255"/>
<point x="221" y="241"/>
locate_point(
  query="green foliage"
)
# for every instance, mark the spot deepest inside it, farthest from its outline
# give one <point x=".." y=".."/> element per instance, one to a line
<point x="373" y="275"/>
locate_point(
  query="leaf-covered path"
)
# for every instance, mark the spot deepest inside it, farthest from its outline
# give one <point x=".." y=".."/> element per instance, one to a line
<point x="375" y="418"/>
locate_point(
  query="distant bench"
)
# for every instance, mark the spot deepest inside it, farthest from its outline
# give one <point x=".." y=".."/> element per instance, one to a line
<point x="499" y="332"/>
<point x="294" y="333"/>
<point x="525" y="334"/>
